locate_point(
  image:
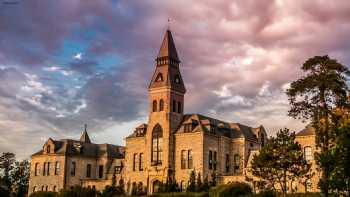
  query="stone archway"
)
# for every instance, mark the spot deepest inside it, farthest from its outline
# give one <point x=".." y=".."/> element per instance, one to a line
<point x="156" y="186"/>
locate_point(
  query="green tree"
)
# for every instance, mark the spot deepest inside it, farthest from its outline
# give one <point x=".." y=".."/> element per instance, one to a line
<point x="6" y="165"/>
<point x="19" y="177"/>
<point x="213" y="179"/>
<point x="317" y="97"/>
<point x="192" y="182"/>
<point x="199" y="183"/>
<point x="340" y="176"/>
<point x="280" y="160"/>
<point x="205" y="186"/>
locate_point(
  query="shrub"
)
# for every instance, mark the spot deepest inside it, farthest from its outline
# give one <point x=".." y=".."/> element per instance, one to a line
<point x="111" y="191"/>
<point x="273" y="194"/>
<point x="78" y="191"/>
<point x="181" y="194"/>
<point x="305" y="195"/>
<point x="233" y="189"/>
<point x="267" y="193"/>
<point x="43" y="194"/>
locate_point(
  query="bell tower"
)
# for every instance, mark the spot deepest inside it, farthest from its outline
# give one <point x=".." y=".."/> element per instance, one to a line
<point x="166" y="105"/>
<point x="167" y="90"/>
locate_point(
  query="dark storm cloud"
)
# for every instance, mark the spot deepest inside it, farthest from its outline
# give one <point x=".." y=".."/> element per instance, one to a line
<point x="243" y="52"/>
<point x="84" y="66"/>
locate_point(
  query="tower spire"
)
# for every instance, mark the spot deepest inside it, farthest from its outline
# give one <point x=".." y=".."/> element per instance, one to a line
<point x="84" y="136"/>
<point x="167" y="73"/>
<point x="168" y="49"/>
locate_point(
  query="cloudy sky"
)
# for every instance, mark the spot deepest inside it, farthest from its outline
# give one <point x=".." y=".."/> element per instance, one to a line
<point x="70" y="62"/>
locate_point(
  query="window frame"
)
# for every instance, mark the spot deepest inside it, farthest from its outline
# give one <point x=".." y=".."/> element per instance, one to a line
<point x="141" y="162"/>
<point x="157" y="145"/>
<point x="154" y="106"/>
<point x="100" y="171"/>
<point x="88" y="170"/>
<point x="73" y="168"/>
<point x="161" y="105"/>
<point x="308" y="153"/>
<point x="57" y="168"/>
<point x="189" y="159"/>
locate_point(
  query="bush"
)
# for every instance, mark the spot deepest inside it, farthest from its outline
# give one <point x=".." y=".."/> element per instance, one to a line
<point x="232" y="189"/>
<point x="304" y="195"/>
<point x="181" y="194"/>
<point x="267" y="193"/>
<point x="78" y="191"/>
<point x="111" y="191"/>
<point x="43" y="194"/>
<point x="273" y="194"/>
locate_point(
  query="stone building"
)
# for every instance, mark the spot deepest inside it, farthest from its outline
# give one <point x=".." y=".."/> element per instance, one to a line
<point x="168" y="147"/>
<point x="307" y="139"/>
<point x="65" y="163"/>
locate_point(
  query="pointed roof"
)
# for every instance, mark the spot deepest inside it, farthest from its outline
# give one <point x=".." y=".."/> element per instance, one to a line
<point x="84" y="136"/>
<point x="168" y="48"/>
<point x="167" y="72"/>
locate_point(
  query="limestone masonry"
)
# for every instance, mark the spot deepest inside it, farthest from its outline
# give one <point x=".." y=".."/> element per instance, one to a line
<point x="168" y="147"/>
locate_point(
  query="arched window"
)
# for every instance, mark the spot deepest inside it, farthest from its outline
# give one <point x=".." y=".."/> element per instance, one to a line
<point x="161" y="105"/>
<point x="154" y="106"/>
<point x="54" y="188"/>
<point x="177" y="79"/>
<point x="36" y="169"/>
<point x="308" y="185"/>
<point x="179" y="107"/>
<point x="156" y="186"/>
<point x="72" y="169"/>
<point x="159" y="77"/>
<point x="57" y="168"/>
<point x="174" y="106"/>
<point x="34" y="188"/>
<point x="262" y="140"/>
<point x="236" y="161"/>
<point x="157" y="143"/>
<point x="308" y="153"/>
<point x="88" y="171"/>
<point x="48" y="149"/>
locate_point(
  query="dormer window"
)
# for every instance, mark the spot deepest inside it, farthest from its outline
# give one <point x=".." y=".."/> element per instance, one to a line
<point x="177" y="79"/>
<point x="187" y="128"/>
<point x="48" y="149"/>
<point x="140" y="132"/>
<point x="159" y="77"/>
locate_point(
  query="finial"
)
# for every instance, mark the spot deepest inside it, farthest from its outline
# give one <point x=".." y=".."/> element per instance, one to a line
<point x="168" y="23"/>
<point x="85" y="127"/>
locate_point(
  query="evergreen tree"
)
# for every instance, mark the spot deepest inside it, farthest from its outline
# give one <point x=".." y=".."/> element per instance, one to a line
<point x="121" y="186"/>
<point x="340" y="176"/>
<point x="192" y="183"/>
<point x="317" y="97"/>
<point x="205" y="185"/>
<point x="199" y="183"/>
<point x="280" y="161"/>
<point x="20" y="178"/>
<point x="6" y="165"/>
<point x="213" y="179"/>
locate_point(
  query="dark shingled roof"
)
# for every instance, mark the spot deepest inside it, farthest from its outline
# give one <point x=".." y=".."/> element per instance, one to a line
<point x="232" y="130"/>
<point x="84" y="148"/>
<point x="168" y="48"/>
<point x="308" y="130"/>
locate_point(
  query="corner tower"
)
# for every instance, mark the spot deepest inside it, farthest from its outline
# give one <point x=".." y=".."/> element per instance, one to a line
<point x="166" y="105"/>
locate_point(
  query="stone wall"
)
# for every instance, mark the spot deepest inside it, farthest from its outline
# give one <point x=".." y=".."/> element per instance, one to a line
<point x="51" y="182"/>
